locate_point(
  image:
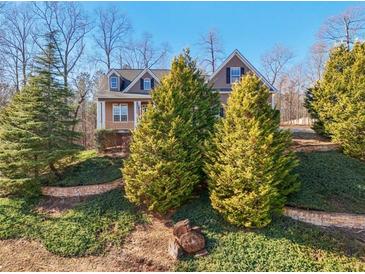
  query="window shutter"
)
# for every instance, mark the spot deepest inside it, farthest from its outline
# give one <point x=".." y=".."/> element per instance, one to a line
<point x="122" y="83"/>
<point x="242" y="71"/>
<point x="152" y="83"/>
<point x="228" y="75"/>
<point x="141" y="83"/>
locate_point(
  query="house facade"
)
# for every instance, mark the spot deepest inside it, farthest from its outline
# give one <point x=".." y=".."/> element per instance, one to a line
<point x="125" y="93"/>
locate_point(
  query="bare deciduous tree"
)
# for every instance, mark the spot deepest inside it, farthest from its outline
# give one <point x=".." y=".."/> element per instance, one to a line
<point x="317" y="58"/>
<point x="345" y="27"/>
<point x="16" y="43"/>
<point x="211" y="46"/>
<point x="6" y="90"/>
<point x="111" y="31"/>
<point x="293" y="85"/>
<point x="83" y="87"/>
<point x="144" y="53"/>
<point x="70" y="25"/>
<point x="275" y="61"/>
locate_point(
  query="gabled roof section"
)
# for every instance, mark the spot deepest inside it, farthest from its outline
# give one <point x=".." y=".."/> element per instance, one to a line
<point x="113" y="71"/>
<point x="143" y="72"/>
<point x="248" y="64"/>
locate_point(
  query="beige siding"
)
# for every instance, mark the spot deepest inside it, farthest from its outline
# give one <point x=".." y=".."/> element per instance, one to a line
<point x="219" y="80"/>
<point x="224" y="98"/>
<point x="109" y="124"/>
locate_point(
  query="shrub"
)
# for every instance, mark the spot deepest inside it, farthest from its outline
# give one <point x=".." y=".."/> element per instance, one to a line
<point x="104" y="137"/>
<point x="249" y="165"/>
<point x="339" y="99"/>
<point x="165" y="163"/>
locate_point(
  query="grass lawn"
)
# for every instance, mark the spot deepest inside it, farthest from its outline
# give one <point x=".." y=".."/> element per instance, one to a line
<point x="331" y="181"/>
<point x="89" y="168"/>
<point x="284" y="245"/>
<point x="86" y="229"/>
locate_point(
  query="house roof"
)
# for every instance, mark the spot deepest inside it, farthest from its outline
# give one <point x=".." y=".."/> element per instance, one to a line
<point x="237" y="53"/>
<point x="132" y="74"/>
<point x="143" y="72"/>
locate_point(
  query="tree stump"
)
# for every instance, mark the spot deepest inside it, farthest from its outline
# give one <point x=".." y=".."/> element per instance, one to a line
<point x="175" y="250"/>
<point x="192" y="242"/>
<point x="181" y="228"/>
<point x="187" y="239"/>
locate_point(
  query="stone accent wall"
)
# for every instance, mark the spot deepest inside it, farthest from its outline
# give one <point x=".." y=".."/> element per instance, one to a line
<point x="79" y="191"/>
<point x="321" y="218"/>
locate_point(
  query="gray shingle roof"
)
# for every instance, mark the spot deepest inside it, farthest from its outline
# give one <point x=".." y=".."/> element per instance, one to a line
<point x="131" y="74"/>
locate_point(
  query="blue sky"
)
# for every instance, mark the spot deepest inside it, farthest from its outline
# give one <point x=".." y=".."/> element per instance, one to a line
<point x="251" y="27"/>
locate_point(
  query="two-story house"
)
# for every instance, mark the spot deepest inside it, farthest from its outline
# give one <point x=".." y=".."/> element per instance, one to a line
<point x="126" y="92"/>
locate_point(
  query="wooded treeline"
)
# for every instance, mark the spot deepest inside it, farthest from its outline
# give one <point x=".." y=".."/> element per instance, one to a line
<point x="85" y="46"/>
<point x="88" y="46"/>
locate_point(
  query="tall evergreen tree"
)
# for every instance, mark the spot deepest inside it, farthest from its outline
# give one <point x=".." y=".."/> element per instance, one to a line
<point x="35" y="128"/>
<point x="340" y="98"/>
<point x="249" y="164"/>
<point x="318" y="125"/>
<point x="166" y="159"/>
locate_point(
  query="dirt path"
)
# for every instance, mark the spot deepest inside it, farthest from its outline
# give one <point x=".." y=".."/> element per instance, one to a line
<point x="145" y="249"/>
<point x="306" y="140"/>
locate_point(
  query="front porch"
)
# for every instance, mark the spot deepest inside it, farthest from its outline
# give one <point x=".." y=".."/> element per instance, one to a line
<point x="119" y="114"/>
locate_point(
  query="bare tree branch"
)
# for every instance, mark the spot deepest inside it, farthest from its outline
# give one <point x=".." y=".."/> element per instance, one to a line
<point x="212" y="49"/>
<point x="275" y="61"/>
<point x="16" y="45"/>
<point x="344" y="28"/>
<point x="144" y="54"/>
<point x="112" y="28"/>
<point x="70" y="25"/>
<point x="317" y="58"/>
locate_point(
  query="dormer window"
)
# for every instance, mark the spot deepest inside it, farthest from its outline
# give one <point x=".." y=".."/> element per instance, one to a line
<point x="113" y="82"/>
<point x="147" y="84"/>
<point x="235" y="74"/>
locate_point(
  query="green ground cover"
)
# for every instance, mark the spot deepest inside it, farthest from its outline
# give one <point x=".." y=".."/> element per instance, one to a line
<point x="284" y="245"/>
<point x="86" y="229"/>
<point x="89" y="168"/>
<point x="330" y="181"/>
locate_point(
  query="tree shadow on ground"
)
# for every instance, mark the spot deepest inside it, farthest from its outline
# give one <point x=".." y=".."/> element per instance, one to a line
<point x="282" y="231"/>
<point x="86" y="229"/>
<point x="96" y="170"/>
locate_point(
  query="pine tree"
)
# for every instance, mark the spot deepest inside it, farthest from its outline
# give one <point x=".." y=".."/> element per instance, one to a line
<point x="249" y="165"/>
<point x="339" y="99"/>
<point x="35" y="128"/>
<point x="318" y="125"/>
<point x="166" y="159"/>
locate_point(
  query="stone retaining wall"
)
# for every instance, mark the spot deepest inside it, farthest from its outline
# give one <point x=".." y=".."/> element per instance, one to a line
<point x="321" y="218"/>
<point x="310" y="148"/>
<point x="79" y="191"/>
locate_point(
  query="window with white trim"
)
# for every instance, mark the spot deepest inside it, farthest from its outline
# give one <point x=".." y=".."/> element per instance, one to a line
<point x="235" y="74"/>
<point x="120" y="112"/>
<point x="146" y="84"/>
<point x="113" y="82"/>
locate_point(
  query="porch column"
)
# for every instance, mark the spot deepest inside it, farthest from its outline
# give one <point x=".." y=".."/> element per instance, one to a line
<point x="100" y="115"/>
<point x="137" y="112"/>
